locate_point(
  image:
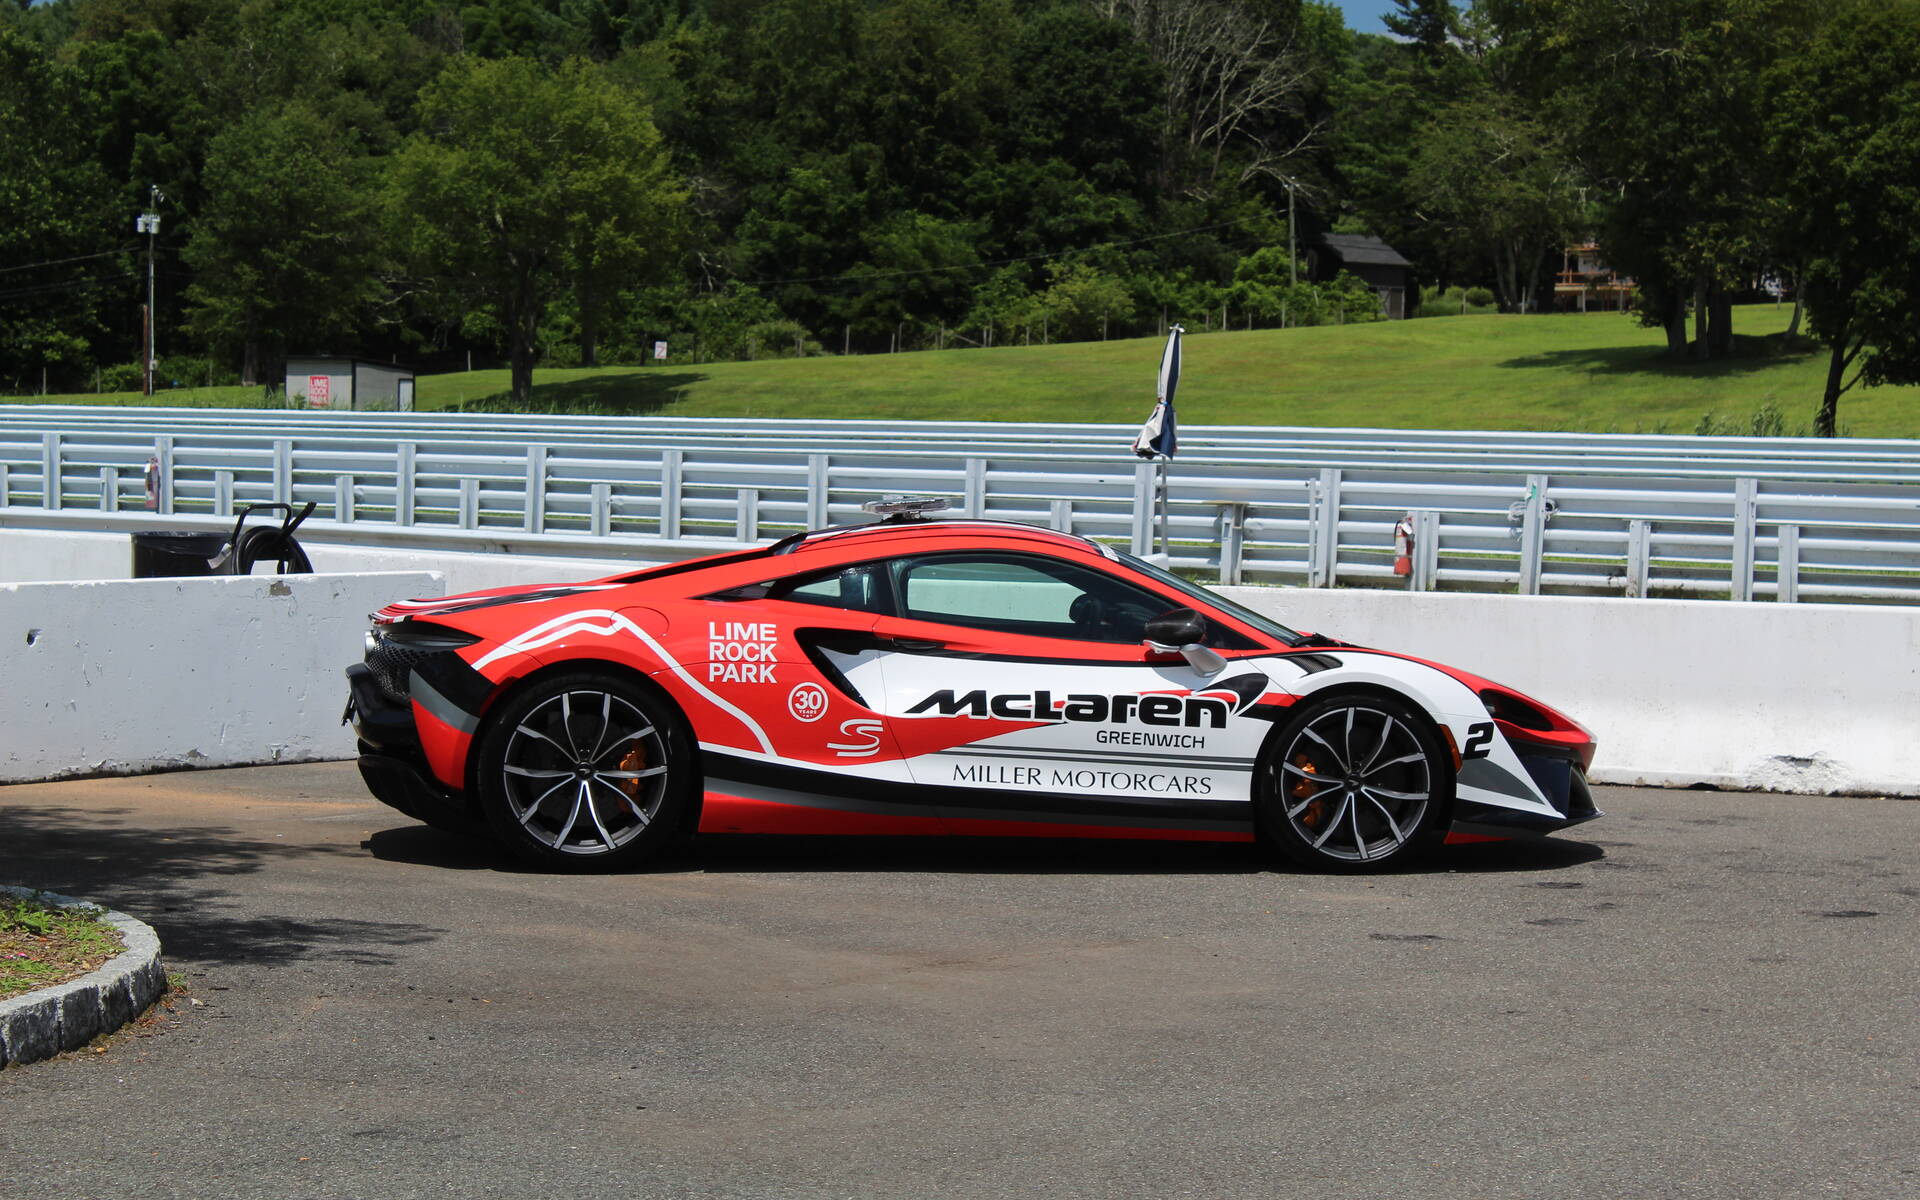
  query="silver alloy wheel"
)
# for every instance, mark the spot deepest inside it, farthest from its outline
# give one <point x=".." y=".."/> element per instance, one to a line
<point x="1355" y="782"/>
<point x="584" y="772"/>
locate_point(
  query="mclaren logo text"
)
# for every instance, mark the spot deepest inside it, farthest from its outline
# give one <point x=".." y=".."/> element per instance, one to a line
<point x="1191" y="711"/>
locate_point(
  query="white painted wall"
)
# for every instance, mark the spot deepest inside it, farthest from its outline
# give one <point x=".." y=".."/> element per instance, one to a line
<point x="1782" y="697"/>
<point x="120" y="676"/>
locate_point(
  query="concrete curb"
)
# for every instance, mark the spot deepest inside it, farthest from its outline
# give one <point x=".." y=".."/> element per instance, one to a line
<point x="65" y="1017"/>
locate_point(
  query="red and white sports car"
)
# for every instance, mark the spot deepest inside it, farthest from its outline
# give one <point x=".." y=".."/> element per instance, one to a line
<point x="922" y="676"/>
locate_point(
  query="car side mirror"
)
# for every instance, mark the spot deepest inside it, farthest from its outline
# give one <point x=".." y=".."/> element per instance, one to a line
<point x="1183" y="631"/>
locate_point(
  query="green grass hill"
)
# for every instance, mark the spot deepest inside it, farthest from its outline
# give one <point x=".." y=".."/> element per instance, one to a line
<point x="1597" y="372"/>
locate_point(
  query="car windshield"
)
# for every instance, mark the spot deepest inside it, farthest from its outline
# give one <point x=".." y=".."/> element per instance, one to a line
<point x="1239" y="612"/>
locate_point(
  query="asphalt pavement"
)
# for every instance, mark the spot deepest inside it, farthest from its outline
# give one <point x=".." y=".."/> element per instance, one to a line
<point x="1702" y="995"/>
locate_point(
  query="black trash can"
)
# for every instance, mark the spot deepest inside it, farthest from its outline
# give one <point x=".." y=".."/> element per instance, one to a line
<point x="175" y="553"/>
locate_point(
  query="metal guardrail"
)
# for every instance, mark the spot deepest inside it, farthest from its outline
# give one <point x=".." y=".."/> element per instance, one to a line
<point x="1587" y="514"/>
<point x="1851" y="459"/>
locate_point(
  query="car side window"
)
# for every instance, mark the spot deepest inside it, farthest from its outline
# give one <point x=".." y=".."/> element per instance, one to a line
<point x="856" y="588"/>
<point x="1024" y="594"/>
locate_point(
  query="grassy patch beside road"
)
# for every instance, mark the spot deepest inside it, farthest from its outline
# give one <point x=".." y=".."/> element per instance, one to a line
<point x="1592" y="373"/>
<point x="1599" y="372"/>
<point x="42" y="945"/>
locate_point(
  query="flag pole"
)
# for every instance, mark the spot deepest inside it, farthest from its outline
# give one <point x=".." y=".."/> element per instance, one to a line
<point x="1158" y="439"/>
<point x="1165" y="550"/>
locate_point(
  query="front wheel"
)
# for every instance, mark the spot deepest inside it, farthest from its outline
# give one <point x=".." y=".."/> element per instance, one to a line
<point x="585" y="771"/>
<point x="1355" y="783"/>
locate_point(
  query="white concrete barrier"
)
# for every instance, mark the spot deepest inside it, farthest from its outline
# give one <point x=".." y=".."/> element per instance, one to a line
<point x="120" y="676"/>
<point x="43" y="555"/>
<point x="39" y="555"/>
<point x="1787" y="697"/>
<point x="1779" y="697"/>
<point x="468" y="572"/>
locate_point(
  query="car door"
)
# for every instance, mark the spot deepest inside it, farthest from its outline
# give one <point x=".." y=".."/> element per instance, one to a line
<point x="795" y="657"/>
<point x="1024" y="699"/>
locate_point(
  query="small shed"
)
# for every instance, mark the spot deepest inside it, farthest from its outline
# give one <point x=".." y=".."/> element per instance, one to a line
<point x="1369" y="258"/>
<point x="322" y="381"/>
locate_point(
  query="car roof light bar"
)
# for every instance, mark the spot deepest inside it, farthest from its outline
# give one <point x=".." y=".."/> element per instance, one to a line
<point x="900" y="509"/>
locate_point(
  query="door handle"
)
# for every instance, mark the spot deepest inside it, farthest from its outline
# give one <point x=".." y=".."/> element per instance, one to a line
<point x="912" y="645"/>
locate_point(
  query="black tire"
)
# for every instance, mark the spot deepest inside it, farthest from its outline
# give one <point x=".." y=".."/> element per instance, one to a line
<point x="1355" y="782"/>
<point x="585" y="771"/>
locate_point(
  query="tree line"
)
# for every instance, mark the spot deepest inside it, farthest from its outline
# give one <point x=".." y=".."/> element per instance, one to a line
<point x="571" y="181"/>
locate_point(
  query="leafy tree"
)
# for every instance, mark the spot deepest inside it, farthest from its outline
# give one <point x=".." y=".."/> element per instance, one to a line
<point x="920" y="268"/>
<point x="1236" y="75"/>
<point x="801" y="232"/>
<point x="1174" y="294"/>
<point x="1665" y="101"/>
<point x="610" y="26"/>
<point x="127" y="94"/>
<point x="1082" y="301"/>
<point x="1428" y="24"/>
<point x="48" y="24"/>
<point x="1495" y="180"/>
<point x="1846" y="127"/>
<point x="160" y="81"/>
<point x="500" y="28"/>
<point x="1005" y="301"/>
<point x="59" y="224"/>
<point x="520" y="180"/>
<point x="730" y="322"/>
<point x="1384" y="96"/>
<point x="1263" y="284"/>
<point x="1082" y="95"/>
<point x="283" y="250"/>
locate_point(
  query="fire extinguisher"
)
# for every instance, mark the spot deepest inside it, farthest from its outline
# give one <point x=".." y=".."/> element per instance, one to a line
<point x="1403" y="545"/>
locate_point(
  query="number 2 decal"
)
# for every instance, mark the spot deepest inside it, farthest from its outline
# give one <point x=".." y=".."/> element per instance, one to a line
<point x="1479" y="740"/>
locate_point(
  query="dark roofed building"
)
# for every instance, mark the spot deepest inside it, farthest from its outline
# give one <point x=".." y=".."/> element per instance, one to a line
<point x="1372" y="260"/>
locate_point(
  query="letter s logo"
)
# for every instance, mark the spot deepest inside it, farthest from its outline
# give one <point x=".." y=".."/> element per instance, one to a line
<point x="858" y="728"/>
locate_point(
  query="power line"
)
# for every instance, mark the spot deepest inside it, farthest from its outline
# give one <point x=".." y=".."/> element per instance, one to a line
<point x="54" y="262"/>
<point x="997" y="262"/>
<point x="70" y="285"/>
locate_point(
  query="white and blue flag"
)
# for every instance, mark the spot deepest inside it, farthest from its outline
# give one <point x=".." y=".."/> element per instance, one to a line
<point x="1157" y="437"/>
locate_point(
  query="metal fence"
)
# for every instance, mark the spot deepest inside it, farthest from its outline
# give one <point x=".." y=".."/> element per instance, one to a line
<point x="1744" y="518"/>
<point x="1850" y="459"/>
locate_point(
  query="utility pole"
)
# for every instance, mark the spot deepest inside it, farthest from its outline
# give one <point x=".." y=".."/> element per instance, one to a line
<point x="149" y="224"/>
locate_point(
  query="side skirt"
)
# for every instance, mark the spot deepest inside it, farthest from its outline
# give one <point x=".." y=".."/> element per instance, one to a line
<point x="751" y="796"/>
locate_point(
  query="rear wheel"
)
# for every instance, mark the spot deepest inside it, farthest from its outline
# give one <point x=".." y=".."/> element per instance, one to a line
<point x="1355" y="783"/>
<point x="585" y="771"/>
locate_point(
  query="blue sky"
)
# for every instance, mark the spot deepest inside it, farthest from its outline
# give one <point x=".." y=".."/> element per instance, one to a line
<point x="1363" y="16"/>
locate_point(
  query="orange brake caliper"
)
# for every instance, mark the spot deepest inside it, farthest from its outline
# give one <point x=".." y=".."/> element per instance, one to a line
<point x="1303" y="788"/>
